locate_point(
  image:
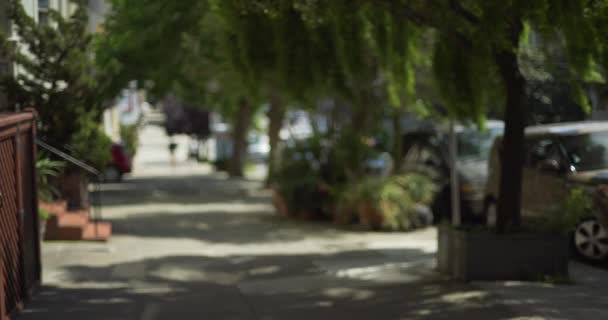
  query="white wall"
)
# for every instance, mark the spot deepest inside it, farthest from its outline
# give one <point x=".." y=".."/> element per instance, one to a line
<point x="31" y="7"/>
<point x="4" y="22"/>
<point x="98" y="9"/>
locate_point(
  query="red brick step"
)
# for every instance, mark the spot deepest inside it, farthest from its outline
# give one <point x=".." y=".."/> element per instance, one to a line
<point x="76" y="226"/>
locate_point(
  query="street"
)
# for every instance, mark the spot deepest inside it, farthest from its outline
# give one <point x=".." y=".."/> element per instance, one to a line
<point x="191" y="244"/>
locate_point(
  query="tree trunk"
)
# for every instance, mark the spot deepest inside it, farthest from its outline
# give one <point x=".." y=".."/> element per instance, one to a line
<point x="240" y="129"/>
<point x="511" y="157"/>
<point x="276" y="115"/>
<point x="73" y="185"/>
<point x="397" y="152"/>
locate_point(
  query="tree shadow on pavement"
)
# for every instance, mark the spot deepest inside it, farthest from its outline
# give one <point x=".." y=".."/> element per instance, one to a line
<point x="190" y="189"/>
<point x="207" y="208"/>
<point x="221" y="227"/>
<point x="305" y="286"/>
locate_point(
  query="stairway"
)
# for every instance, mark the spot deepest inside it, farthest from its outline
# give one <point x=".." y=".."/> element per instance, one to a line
<point x="67" y="225"/>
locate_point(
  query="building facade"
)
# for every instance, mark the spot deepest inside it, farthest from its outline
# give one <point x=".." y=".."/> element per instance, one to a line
<point x="37" y="9"/>
<point x="98" y="10"/>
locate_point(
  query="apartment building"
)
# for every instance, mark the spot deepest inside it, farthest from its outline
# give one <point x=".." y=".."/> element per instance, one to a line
<point x="39" y="10"/>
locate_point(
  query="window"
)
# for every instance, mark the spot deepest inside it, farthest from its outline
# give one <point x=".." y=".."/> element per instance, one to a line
<point x="588" y="151"/>
<point x="422" y="156"/>
<point x="43" y="12"/>
<point x="540" y="149"/>
<point x="43" y="4"/>
<point x="475" y="145"/>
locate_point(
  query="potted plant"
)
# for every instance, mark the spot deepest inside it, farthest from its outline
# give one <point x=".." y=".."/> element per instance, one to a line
<point x="389" y="203"/>
<point x="296" y="190"/>
<point x="47" y="169"/>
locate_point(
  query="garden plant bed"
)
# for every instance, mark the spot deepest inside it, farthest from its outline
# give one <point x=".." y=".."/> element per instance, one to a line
<point x="482" y="255"/>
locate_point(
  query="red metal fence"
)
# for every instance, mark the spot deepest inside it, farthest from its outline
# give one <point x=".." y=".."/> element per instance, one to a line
<point x="20" y="268"/>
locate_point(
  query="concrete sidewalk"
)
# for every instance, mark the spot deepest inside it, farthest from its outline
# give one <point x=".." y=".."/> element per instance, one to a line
<point x="584" y="298"/>
<point x="192" y="244"/>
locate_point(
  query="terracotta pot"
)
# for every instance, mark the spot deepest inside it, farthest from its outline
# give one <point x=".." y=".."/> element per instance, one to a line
<point x="279" y="204"/>
<point x="306" y="215"/>
<point x="370" y="216"/>
<point x="344" y="216"/>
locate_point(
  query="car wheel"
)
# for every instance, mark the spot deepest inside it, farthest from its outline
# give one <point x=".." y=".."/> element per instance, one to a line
<point x="491" y="214"/>
<point x="112" y="174"/>
<point x="591" y="240"/>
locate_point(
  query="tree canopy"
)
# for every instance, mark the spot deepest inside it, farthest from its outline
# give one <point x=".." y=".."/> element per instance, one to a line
<point x="366" y="52"/>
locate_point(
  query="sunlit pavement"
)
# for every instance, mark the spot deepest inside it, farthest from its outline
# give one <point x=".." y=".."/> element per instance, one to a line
<point x="191" y="244"/>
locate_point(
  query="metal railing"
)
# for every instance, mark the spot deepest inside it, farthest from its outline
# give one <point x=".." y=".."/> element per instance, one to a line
<point x="95" y="214"/>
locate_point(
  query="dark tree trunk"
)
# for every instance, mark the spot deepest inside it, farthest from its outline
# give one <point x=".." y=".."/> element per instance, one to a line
<point x="73" y="184"/>
<point x="511" y="157"/>
<point x="240" y="129"/>
<point x="276" y="115"/>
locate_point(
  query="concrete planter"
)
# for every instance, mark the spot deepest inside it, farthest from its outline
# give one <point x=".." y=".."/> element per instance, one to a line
<point x="444" y="239"/>
<point x="472" y="255"/>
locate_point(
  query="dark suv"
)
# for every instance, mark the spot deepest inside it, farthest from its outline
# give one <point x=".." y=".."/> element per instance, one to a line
<point x="426" y="151"/>
<point x="559" y="158"/>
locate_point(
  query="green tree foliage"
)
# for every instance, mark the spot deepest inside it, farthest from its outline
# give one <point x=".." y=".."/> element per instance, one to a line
<point x="57" y="77"/>
<point x="143" y="40"/>
<point x="476" y="46"/>
<point x="365" y="52"/>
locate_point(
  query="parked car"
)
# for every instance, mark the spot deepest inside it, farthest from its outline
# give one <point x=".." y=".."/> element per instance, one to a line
<point x="119" y="165"/>
<point x="427" y="151"/>
<point x="559" y="158"/>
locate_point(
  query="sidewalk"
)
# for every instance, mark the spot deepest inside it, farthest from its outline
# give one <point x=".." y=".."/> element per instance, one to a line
<point x="585" y="298"/>
<point x="192" y="244"/>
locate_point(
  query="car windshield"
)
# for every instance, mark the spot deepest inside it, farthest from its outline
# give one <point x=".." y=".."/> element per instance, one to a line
<point x="587" y="151"/>
<point x="476" y="144"/>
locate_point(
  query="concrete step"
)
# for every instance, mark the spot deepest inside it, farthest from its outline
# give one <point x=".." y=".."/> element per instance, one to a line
<point x="56" y="207"/>
<point x="100" y="231"/>
<point x="76" y="226"/>
<point x="69" y="219"/>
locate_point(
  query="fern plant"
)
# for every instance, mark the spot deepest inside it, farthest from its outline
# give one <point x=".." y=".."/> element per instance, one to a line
<point x="46" y="169"/>
<point x="387" y="202"/>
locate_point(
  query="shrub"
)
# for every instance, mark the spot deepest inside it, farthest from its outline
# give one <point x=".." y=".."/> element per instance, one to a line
<point x="91" y="143"/>
<point x="298" y="179"/>
<point x="43" y="214"/>
<point x="387" y="202"/>
<point x="129" y="135"/>
<point x="568" y="213"/>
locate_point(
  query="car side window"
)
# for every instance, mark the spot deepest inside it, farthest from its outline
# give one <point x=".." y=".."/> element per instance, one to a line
<point x="541" y="149"/>
<point x="422" y="155"/>
<point x="412" y="155"/>
<point x="429" y="156"/>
